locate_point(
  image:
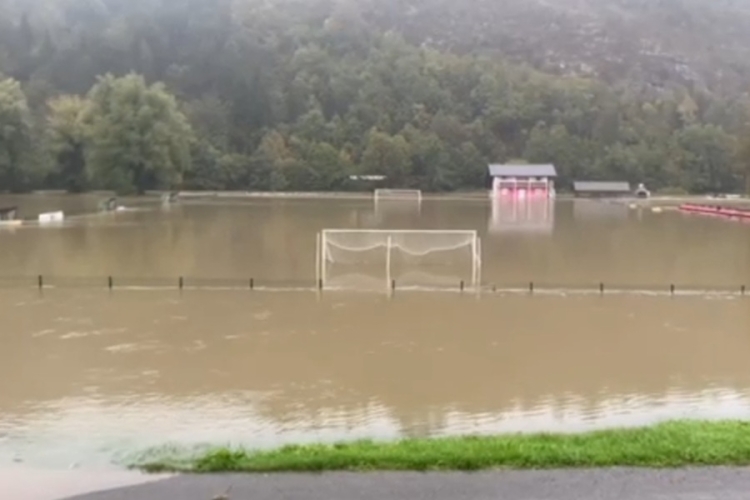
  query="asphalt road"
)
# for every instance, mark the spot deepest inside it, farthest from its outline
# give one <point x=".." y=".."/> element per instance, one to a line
<point x="611" y="484"/>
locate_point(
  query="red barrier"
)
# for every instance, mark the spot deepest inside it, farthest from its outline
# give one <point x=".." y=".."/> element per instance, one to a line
<point x="732" y="213"/>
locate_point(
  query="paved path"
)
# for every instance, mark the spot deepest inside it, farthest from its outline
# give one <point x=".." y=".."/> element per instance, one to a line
<point x="614" y="484"/>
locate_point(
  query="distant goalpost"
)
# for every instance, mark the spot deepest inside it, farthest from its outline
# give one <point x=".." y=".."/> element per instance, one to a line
<point x="397" y="195"/>
<point x="379" y="259"/>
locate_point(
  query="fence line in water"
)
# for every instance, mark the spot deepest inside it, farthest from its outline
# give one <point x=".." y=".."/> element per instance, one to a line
<point x="43" y="282"/>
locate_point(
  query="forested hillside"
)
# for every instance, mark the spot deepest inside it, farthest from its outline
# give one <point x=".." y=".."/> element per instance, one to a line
<point x="301" y="94"/>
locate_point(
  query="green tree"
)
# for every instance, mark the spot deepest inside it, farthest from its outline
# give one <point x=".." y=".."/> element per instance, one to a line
<point x="139" y="139"/>
<point x="285" y="97"/>
<point x="15" y="136"/>
<point x="573" y="155"/>
<point x="707" y="159"/>
<point x="429" y="158"/>
<point x="209" y="118"/>
<point x="743" y="159"/>
<point x="386" y="155"/>
<point x="204" y="173"/>
<point x="276" y="156"/>
<point x="68" y="141"/>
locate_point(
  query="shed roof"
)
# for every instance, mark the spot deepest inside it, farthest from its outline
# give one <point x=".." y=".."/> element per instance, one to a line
<point x="521" y="170"/>
<point x="602" y="186"/>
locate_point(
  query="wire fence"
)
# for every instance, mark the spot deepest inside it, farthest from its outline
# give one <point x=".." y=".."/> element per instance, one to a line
<point x="185" y="283"/>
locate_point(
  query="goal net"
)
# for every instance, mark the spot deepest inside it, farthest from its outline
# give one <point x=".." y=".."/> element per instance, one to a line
<point x="397" y="195"/>
<point x="376" y="259"/>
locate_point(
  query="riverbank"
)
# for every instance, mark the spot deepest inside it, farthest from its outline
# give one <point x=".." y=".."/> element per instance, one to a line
<point x="317" y="195"/>
<point x="672" y="444"/>
<point x="667" y="202"/>
<point x="657" y="200"/>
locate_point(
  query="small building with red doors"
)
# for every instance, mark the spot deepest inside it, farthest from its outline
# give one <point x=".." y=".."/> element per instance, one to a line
<point x="523" y="180"/>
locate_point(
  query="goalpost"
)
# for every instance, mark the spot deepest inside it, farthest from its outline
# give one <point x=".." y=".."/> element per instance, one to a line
<point x="376" y="259"/>
<point x="397" y="195"/>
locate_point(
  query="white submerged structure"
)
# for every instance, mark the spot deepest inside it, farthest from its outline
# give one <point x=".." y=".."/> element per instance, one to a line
<point x="49" y="217"/>
<point x="387" y="259"/>
<point x="397" y="195"/>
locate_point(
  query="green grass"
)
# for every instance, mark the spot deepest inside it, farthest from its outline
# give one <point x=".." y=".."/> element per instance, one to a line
<point x="673" y="444"/>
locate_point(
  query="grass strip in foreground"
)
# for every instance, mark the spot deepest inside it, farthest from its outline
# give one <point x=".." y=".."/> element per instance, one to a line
<point x="673" y="444"/>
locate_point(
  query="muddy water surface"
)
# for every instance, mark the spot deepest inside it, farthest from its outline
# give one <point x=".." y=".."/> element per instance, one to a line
<point x="91" y="375"/>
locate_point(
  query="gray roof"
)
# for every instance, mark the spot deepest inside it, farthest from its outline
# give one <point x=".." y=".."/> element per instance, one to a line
<point x="498" y="170"/>
<point x="602" y="186"/>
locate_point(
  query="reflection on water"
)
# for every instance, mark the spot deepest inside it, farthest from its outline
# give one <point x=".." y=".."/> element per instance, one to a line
<point x="383" y="208"/>
<point x="522" y="214"/>
<point x="585" y="210"/>
<point x="96" y="374"/>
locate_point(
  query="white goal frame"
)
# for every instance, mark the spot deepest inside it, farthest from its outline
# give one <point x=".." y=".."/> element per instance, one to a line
<point x="397" y="195"/>
<point x="476" y="251"/>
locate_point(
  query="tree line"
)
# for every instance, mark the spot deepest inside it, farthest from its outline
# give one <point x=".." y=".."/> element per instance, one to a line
<point x="240" y="95"/>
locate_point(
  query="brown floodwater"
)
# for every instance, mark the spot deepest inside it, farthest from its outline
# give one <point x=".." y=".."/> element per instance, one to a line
<point x="92" y="375"/>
